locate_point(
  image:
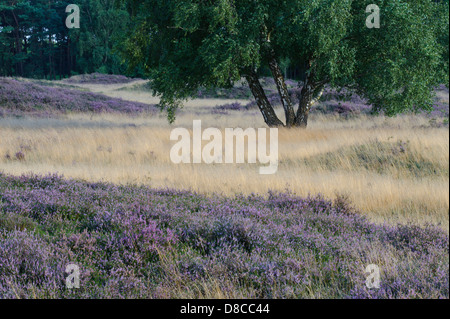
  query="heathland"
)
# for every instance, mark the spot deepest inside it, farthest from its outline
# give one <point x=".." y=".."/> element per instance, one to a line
<point x="221" y="230"/>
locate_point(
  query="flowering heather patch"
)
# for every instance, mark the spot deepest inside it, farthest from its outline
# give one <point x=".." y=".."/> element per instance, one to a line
<point x="18" y="97"/>
<point x="341" y="103"/>
<point x="137" y="242"/>
<point x="237" y="92"/>
<point x="331" y="102"/>
<point x="99" y="78"/>
<point x="346" y="105"/>
<point x="230" y="107"/>
<point x="441" y="107"/>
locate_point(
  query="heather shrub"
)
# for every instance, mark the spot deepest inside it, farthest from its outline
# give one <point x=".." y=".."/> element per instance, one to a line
<point x="236" y="92"/>
<point x="16" y="222"/>
<point x="18" y="97"/>
<point x="98" y="78"/>
<point x="137" y="242"/>
<point x="229" y="107"/>
<point x="29" y="267"/>
<point x="346" y="104"/>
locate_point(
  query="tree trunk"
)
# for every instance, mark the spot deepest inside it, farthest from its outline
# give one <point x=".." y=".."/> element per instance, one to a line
<point x="50" y="63"/>
<point x="310" y="95"/>
<point x="264" y="105"/>
<point x="69" y="59"/>
<point x="18" y="43"/>
<point x="282" y="89"/>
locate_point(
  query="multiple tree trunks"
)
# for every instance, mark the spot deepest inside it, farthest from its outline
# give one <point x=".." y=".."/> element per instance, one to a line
<point x="310" y="94"/>
<point x="264" y="105"/>
<point x="282" y="89"/>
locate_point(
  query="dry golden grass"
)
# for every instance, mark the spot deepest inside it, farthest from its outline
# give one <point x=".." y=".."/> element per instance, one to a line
<point x="110" y="150"/>
<point x="358" y="157"/>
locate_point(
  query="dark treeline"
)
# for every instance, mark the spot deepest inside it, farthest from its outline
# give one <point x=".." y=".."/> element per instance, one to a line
<point x="35" y="42"/>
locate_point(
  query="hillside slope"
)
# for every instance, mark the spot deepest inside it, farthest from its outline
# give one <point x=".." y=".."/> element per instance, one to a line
<point x="19" y="97"/>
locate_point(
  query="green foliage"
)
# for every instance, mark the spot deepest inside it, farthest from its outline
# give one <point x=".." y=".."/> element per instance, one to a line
<point x="398" y="68"/>
<point x="101" y="29"/>
<point x="35" y="42"/>
<point x="187" y="44"/>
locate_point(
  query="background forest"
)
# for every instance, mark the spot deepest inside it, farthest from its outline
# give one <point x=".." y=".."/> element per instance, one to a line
<point x="35" y="42"/>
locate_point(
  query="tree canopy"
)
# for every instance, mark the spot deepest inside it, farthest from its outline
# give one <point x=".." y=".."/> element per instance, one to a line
<point x="187" y="44"/>
<point x="35" y="42"/>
